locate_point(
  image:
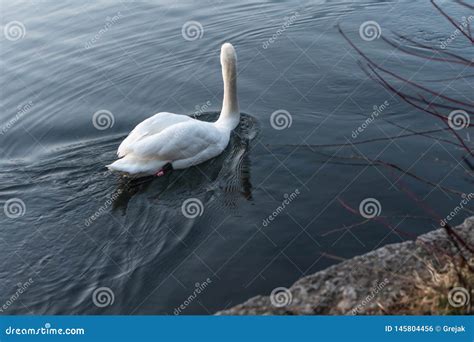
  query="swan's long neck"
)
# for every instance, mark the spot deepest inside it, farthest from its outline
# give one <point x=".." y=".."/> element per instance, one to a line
<point x="230" y="113"/>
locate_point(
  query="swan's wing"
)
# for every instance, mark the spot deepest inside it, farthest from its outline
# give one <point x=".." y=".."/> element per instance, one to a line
<point x="148" y="127"/>
<point x="181" y="141"/>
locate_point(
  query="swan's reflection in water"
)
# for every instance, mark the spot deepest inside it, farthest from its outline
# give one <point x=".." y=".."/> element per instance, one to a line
<point x="106" y="229"/>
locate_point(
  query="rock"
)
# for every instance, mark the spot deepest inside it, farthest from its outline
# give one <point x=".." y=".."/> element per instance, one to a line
<point x="368" y="284"/>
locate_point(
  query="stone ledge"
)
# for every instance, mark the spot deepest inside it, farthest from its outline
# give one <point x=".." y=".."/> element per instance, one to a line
<point x="366" y="284"/>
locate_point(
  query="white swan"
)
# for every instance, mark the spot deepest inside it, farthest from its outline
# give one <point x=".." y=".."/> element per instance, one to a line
<point x="168" y="141"/>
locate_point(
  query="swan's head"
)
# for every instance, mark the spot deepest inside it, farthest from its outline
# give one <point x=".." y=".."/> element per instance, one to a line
<point x="228" y="54"/>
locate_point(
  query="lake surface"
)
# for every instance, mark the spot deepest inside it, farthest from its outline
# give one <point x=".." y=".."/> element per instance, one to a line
<point x="81" y="75"/>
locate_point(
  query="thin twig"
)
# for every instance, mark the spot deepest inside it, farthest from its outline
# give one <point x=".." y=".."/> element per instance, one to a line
<point x="451" y="20"/>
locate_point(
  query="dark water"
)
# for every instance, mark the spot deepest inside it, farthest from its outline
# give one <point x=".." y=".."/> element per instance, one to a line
<point x="82" y="228"/>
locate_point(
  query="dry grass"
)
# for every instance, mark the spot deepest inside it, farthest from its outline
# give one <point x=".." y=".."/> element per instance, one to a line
<point x="446" y="289"/>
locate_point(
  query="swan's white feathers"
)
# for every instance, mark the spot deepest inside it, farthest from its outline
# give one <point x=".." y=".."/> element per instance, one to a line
<point x="150" y="126"/>
<point x="178" y="139"/>
<point x="132" y="165"/>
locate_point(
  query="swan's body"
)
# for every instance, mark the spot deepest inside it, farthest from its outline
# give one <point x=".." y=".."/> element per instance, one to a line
<point x="179" y="140"/>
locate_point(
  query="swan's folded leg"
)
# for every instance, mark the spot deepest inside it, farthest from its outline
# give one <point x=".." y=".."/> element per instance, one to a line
<point x="164" y="170"/>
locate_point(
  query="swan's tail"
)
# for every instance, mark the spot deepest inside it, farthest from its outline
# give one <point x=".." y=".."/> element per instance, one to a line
<point x="132" y="165"/>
